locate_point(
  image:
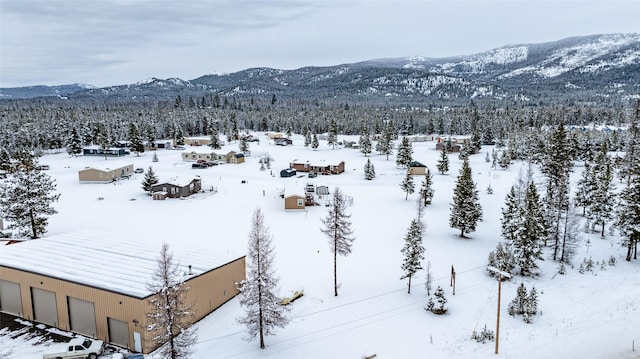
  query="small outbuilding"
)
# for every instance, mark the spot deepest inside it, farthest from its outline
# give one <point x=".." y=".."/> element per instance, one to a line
<point x="294" y="202"/>
<point x="288" y="172"/>
<point x="417" y="168"/>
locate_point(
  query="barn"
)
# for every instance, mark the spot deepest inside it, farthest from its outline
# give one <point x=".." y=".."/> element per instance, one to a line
<point x="95" y="284"/>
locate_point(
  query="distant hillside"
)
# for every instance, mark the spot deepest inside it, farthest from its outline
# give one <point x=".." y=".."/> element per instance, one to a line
<point x="41" y="91"/>
<point x="590" y="68"/>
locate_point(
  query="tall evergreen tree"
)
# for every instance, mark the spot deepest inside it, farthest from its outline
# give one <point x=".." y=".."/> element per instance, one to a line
<point x="585" y="188"/>
<point x="214" y="140"/>
<point x="405" y="152"/>
<point x="443" y="162"/>
<point x="170" y="315"/>
<point x="407" y="185"/>
<point x="369" y="170"/>
<point x="413" y="252"/>
<point x="628" y="217"/>
<point x="556" y="166"/>
<point x="527" y="244"/>
<point x="307" y="137"/>
<point x="465" y="209"/>
<point x="244" y="144"/>
<point x="26" y="200"/>
<point x="511" y="219"/>
<point x="135" y="139"/>
<point x="332" y="138"/>
<point x="426" y="191"/>
<point x="314" y="142"/>
<point x="631" y="160"/>
<point x="601" y="208"/>
<point x="74" y="143"/>
<point x="337" y="228"/>
<point x="150" y="179"/>
<point x="385" y="143"/>
<point x="259" y="292"/>
<point x="365" y="140"/>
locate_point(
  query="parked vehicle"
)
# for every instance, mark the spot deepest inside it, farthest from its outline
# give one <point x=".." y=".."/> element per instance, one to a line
<point x="76" y="348"/>
<point x="199" y="165"/>
<point x="139" y="170"/>
<point x="313" y="175"/>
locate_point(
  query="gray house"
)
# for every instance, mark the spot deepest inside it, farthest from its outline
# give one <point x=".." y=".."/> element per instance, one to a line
<point x="178" y="187"/>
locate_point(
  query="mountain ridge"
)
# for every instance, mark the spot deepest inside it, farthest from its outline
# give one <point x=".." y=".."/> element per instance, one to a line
<point x="593" y="67"/>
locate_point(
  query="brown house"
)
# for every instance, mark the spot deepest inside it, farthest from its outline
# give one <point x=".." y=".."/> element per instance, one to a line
<point x="294" y="202"/>
<point x="178" y="187"/>
<point x="319" y="168"/>
<point x="108" y="172"/>
<point x="95" y="284"/>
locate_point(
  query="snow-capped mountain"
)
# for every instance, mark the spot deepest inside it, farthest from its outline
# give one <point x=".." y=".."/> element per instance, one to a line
<point x="590" y="67"/>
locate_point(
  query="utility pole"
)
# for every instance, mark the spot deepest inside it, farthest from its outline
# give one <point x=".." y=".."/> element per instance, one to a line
<point x="500" y="275"/>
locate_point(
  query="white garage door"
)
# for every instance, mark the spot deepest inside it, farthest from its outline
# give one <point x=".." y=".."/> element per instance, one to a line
<point x="10" y="299"/>
<point x="44" y="306"/>
<point x="82" y="316"/>
<point x="118" y="332"/>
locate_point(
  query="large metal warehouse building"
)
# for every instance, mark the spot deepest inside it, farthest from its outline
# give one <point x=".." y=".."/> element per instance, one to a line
<point x="95" y="284"/>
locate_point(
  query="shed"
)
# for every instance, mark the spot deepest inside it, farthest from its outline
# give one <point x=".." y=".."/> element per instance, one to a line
<point x="294" y="202"/>
<point x="288" y="172"/>
<point x="417" y="168"/>
<point x="95" y="283"/>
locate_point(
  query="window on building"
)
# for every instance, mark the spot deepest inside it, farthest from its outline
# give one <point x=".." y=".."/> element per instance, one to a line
<point x="300" y="202"/>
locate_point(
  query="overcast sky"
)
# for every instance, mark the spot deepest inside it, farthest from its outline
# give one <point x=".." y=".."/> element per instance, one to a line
<point x="114" y="42"/>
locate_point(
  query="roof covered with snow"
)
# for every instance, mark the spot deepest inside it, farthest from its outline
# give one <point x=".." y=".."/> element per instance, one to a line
<point x="117" y="263"/>
<point x="108" y="166"/>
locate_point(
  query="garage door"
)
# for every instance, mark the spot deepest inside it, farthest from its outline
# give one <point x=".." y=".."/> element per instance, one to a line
<point x="44" y="306"/>
<point x="82" y="316"/>
<point x="10" y="300"/>
<point x="118" y="332"/>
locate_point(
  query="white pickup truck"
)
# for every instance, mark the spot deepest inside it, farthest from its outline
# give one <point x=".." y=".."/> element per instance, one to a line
<point x="76" y="348"/>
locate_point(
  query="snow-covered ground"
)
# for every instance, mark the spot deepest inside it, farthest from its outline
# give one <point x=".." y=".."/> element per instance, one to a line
<point x="591" y="315"/>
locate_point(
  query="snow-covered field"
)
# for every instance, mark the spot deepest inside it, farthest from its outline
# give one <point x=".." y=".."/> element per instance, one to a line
<point x="593" y="315"/>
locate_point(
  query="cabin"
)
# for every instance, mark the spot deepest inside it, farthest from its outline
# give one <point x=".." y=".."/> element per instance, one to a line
<point x="107" y="172"/>
<point x="319" y="168"/>
<point x="162" y="144"/>
<point x="105" y="152"/>
<point x="177" y="187"/>
<point x="95" y="283"/>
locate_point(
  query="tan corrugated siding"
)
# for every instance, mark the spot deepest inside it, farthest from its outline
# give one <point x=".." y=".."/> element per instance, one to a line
<point x="207" y="291"/>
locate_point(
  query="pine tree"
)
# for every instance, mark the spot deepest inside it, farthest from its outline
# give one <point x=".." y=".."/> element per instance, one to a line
<point x="26" y="200"/>
<point x="465" y="209"/>
<point x="244" y="144"/>
<point x="135" y="139"/>
<point x="527" y="244"/>
<point x="332" y="138"/>
<point x="502" y="258"/>
<point x="525" y="304"/>
<point x="385" y="144"/>
<point x="585" y="187"/>
<point x="440" y="304"/>
<point x="150" y="179"/>
<point x="214" y="141"/>
<point x="5" y="160"/>
<point x="630" y="166"/>
<point x="365" y="140"/>
<point x="307" y="137"/>
<point x="600" y="210"/>
<point x="443" y="162"/>
<point x="511" y="220"/>
<point x="426" y="191"/>
<point x="337" y="228"/>
<point x="556" y="166"/>
<point x="407" y="185"/>
<point x="258" y="293"/>
<point x="369" y="170"/>
<point x="413" y="252"/>
<point x="628" y="217"/>
<point x="314" y="142"/>
<point x="155" y="157"/>
<point x="405" y="151"/>
<point x="74" y="143"/>
<point x="504" y="160"/>
<point x="170" y="315"/>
